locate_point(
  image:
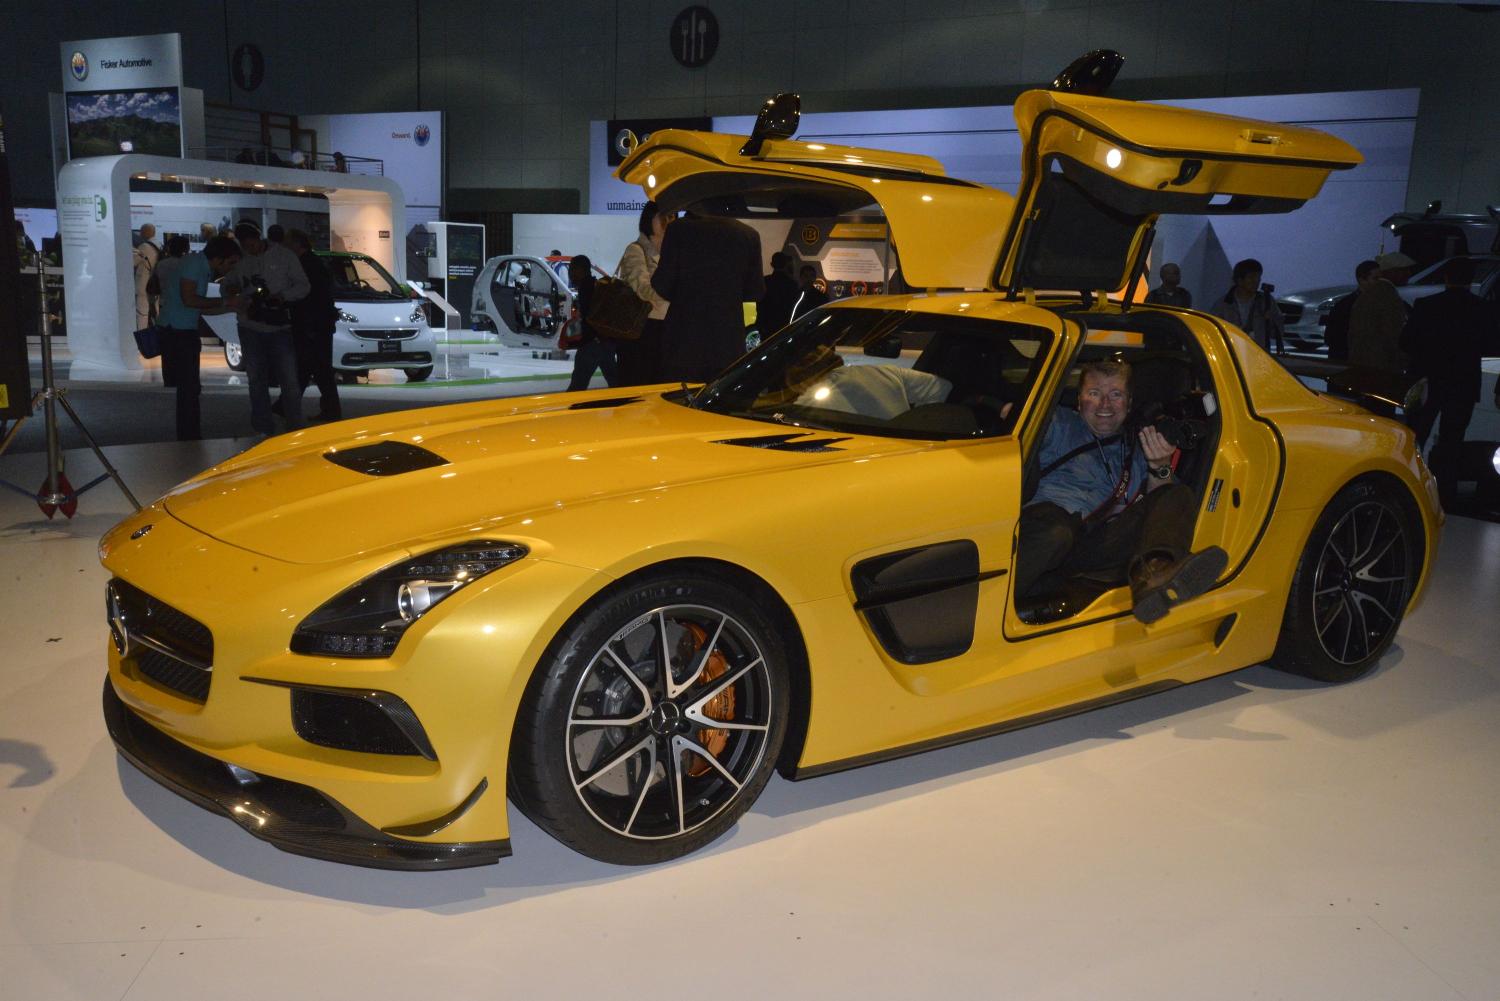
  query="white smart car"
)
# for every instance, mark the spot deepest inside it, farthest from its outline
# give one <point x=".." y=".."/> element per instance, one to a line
<point x="380" y="324"/>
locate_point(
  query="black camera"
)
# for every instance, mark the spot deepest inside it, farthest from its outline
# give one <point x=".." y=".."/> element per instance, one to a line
<point x="1183" y="422"/>
<point x="263" y="307"/>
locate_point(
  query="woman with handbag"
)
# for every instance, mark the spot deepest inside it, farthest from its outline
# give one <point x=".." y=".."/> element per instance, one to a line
<point x="591" y="351"/>
<point x="640" y="359"/>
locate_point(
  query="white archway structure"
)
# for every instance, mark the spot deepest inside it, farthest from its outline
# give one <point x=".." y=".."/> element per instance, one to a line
<point x="93" y="218"/>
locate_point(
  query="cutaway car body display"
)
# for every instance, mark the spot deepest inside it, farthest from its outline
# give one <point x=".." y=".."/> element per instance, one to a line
<point x="623" y="610"/>
<point x="525" y="300"/>
<point x="380" y="324"/>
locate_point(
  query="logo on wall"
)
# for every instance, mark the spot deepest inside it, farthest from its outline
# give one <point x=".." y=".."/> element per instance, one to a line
<point x="247" y="66"/>
<point x="695" y="36"/>
<point x="810" y="234"/>
<point x="421" y="134"/>
<point x="78" y="65"/>
<point x="101" y="208"/>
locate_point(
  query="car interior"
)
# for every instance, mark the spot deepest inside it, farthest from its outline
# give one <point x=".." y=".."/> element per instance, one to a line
<point x="1172" y="387"/>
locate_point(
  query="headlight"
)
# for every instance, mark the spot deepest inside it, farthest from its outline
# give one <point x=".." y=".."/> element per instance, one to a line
<point x="347" y="316"/>
<point x="368" y="619"/>
<point x="417" y="315"/>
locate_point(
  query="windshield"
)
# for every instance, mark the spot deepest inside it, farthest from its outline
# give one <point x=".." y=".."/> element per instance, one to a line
<point x="886" y="373"/>
<point x="362" y="278"/>
<point x="1435" y="275"/>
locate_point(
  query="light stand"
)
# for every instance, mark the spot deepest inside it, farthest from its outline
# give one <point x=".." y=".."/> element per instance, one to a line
<point x="56" y="492"/>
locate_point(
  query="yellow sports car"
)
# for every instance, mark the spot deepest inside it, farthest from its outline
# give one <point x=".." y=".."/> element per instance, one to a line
<point x="621" y="610"/>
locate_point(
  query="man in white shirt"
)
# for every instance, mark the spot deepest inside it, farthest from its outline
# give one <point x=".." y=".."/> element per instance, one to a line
<point x="269" y="278"/>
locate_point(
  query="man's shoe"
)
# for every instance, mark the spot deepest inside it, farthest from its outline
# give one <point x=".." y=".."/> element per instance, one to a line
<point x="1158" y="583"/>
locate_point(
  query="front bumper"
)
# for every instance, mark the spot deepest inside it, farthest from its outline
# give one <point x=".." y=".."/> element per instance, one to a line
<point x="293" y="817"/>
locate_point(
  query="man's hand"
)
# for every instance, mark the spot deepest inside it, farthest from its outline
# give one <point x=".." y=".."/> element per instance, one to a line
<point x="1157" y="450"/>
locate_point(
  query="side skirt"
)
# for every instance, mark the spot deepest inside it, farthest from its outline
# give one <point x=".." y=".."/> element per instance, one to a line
<point x="963" y="737"/>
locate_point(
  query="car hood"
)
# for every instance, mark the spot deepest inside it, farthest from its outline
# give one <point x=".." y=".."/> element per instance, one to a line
<point x="1313" y="296"/>
<point x="412" y="478"/>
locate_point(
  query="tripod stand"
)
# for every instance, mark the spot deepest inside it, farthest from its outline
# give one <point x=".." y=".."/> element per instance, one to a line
<point x="56" y="493"/>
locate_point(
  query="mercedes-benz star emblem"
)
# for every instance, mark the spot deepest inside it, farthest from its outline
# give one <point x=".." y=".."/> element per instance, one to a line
<point x="141" y="532"/>
<point x="119" y="631"/>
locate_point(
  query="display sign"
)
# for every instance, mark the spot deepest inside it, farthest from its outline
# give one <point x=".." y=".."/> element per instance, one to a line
<point x="409" y="144"/>
<point x="15" y="373"/>
<point x="619" y="130"/>
<point x="136" y="62"/>
<point x="122" y="95"/>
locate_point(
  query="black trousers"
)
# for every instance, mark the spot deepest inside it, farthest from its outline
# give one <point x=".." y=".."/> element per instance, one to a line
<point x="315" y="365"/>
<point x="639" y="361"/>
<point x="1452" y="415"/>
<point x="1053" y="539"/>
<point x="179" y="367"/>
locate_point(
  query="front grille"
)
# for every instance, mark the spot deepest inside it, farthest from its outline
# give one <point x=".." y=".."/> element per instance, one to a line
<point x="160" y="643"/>
<point x="368" y="359"/>
<point x="383" y="335"/>
<point x="1291" y="312"/>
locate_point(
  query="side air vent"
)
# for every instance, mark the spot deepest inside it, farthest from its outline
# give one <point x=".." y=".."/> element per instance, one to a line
<point x="386" y="458"/>
<point x="787" y="442"/>
<point x="614" y="401"/>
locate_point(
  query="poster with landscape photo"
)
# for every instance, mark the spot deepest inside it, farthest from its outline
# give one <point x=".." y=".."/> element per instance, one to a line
<point x="104" y="123"/>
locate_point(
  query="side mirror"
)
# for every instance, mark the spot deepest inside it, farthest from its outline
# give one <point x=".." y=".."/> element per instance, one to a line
<point x="1089" y="74"/>
<point x="778" y="119"/>
<point x="888" y="346"/>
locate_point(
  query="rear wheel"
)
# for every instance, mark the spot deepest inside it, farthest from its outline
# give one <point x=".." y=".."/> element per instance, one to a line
<point x="1351" y="585"/>
<point x="655" y="721"/>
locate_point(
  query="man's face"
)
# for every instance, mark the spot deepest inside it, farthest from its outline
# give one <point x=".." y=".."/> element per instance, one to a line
<point x="222" y="265"/>
<point x="1103" y="402"/>
<point x="1249" y="281"/>
<point x="253" y="244"/>
<point x="1171" y="275"/>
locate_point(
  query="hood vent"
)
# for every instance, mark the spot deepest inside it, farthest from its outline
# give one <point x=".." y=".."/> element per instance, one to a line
<point x="614" y="401"/>
<point x="386" y="458"/>
<point x="785" y="443"/>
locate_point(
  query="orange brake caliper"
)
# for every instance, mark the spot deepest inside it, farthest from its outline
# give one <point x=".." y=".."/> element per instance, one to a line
<point x="720" y="707"/>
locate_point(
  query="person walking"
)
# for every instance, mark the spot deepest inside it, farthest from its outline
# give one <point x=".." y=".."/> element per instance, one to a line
<point x="640" y="359"/>
<point x="313" y="321"/>
<point x="184" y="279"/>
<point x="143" y="263"/>
<point x="1251" y="307"/>
<point x="1170" y="292"/>
<point x="592" y="351"/>
<point x="709" y="265"/>
<point x="1445" y="337"/>
<point x="269" y="279"/>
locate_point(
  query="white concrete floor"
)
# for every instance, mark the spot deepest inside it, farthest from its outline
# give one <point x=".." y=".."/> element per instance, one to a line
<point x="1254" y="836"/>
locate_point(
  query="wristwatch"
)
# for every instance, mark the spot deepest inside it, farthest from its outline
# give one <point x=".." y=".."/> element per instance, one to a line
<point x="1163" y="472"/>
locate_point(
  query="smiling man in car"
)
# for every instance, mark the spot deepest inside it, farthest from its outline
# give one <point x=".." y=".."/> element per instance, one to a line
<point x="1108" y="504"/>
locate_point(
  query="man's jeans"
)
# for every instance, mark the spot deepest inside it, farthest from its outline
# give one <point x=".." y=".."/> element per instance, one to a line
<point x="271" y="355"/>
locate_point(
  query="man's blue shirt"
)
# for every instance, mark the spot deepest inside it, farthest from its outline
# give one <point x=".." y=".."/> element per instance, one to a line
<point x="1083" y="483"/>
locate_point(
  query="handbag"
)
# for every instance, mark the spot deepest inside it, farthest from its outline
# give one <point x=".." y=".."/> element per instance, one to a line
<point x="148" y="342"/>
<point x="570" y="334"/>
<point x="616" y="311"/>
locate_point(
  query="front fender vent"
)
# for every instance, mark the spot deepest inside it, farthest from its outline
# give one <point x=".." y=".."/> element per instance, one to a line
<point x="386" y="458"/>
<point x="787" y="442"/>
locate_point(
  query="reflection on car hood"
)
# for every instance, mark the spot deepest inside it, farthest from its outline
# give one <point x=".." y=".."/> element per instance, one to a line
<point x="1313" y="296"/>
<point x="504" y="460"/>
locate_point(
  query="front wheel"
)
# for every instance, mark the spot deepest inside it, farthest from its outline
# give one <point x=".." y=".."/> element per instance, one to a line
<point x="1351" y="585"/>
<point x="418" y="374"/>
<point x="655" y="721"/>
<point x="234" y="357"/>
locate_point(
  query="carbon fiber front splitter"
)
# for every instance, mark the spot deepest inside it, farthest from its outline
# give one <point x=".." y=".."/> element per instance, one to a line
<point x="293" y="817"/>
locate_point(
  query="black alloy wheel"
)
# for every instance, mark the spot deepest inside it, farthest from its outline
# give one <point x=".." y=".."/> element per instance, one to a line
<point x="657" y="723"/>
<point x="1352" y="585"/>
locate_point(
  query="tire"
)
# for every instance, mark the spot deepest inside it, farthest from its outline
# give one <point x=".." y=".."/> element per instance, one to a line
<point x="347" y="376"/>
<point x="691" y="750"/>
<point x="233" y="356"/>
<point x="418" y="374"/>
<point x="1352" y="584"/>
